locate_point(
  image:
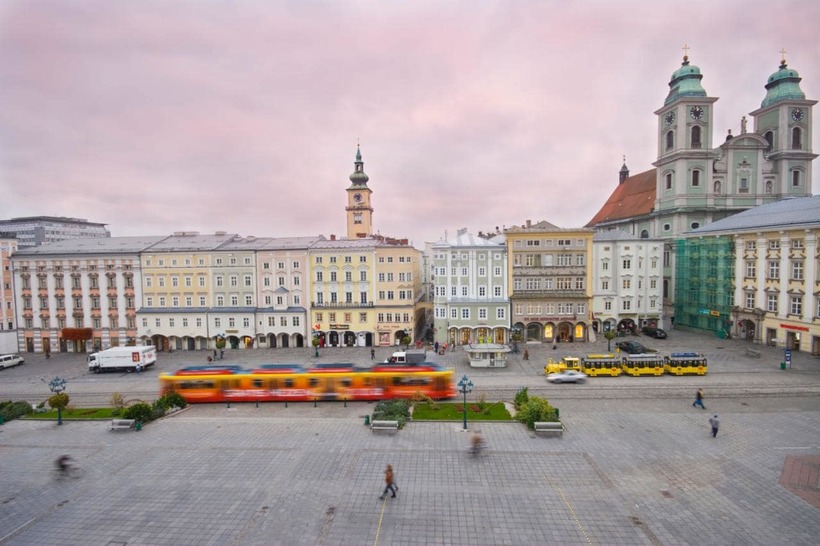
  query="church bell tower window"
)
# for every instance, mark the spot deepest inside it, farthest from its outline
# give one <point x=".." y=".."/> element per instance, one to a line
<point x="670" y="139"/>
<point x="797" y="134"/>
<point x="696" y="143"/>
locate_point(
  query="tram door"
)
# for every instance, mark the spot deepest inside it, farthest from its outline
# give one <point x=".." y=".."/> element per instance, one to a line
<point x="330" y="388"/>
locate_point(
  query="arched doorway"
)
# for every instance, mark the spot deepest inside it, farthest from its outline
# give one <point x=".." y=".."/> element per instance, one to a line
<point x="300" y="340"/>
<point x="333" y="339"/>
<point x="160" y="342"/>
<point x="233" y="342"/>
<point x="747" y="329"/>
<point x="349" y="339"/>
<point x="533" y="332"/>
<point x="565" y="331"/>
<point x="284" y="341"/>
<point x="271" y="340"/>
<point x="368" y="339"/>
<point x="465" y="336"/>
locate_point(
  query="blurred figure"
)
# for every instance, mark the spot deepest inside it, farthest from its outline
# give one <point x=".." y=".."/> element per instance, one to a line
<point x="476" y="443"/>
<point x="389" y="482"/>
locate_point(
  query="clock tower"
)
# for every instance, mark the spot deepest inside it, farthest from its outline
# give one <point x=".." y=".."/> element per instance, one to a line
<point x="359" y="209"/>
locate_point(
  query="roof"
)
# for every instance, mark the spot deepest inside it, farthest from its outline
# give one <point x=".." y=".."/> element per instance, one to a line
<point x="465" y="239"/>
<point x="192" y="241"/>
<point x="634" y="197"/>
<point x="794" y="212"/>
<point x="101" y="245"/>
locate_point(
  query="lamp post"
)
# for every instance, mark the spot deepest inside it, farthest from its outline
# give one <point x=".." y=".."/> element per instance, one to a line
<point x="465" y="386"/>
<point x="57" y="385"/>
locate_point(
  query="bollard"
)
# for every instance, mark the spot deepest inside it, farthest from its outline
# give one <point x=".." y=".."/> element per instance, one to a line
<point x="314" y="403"/>
<point x="367" y="420"/>
<point x="286" y="403"/>
<point x="257" y="403"/>
<point x="345" y="402"/>
<point x="229" y="403"/>
<point x="782" y="365"/>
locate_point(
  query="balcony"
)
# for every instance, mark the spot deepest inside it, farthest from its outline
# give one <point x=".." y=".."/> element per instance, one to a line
<point x="341" y="305"/>
<point x="553" y="294"/>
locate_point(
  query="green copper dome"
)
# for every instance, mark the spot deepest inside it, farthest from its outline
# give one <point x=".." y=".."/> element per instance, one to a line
<point x="685" y="82"/>
<point x="359" y="177"/>
<point x="783" y="85"/>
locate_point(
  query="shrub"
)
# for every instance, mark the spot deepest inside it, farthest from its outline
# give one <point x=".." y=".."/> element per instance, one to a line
<point x="482" y="401"/>
<point x="12" y="410"/>
<point x="536" y="409"/>
<point x="521" y="398"/>
<point x="139" y="412"/>
<point x="392" y="410"/>
<point x="116" y="400"/>
<point x="421" y="398"/>
<point x="170" y="400"/>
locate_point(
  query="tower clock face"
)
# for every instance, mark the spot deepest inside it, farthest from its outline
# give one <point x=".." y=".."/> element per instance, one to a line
<point x="357" y="197"/>
<point x="669" y="118"/>
<point x="797" y="114"/>
<point x="696" y="112"/>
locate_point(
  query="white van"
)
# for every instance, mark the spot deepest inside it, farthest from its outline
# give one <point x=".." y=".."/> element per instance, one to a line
<point x="9" y="361"/>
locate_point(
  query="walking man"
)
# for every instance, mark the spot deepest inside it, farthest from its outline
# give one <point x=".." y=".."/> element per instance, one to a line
<point x="389" y="482"/>
<point x="715" y="422"/>
<point x="372" y="354"/>
<point x="698" y="400"/>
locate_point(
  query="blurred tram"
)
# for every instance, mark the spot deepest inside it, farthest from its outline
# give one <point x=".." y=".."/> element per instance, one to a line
<point x="295" y="383"/>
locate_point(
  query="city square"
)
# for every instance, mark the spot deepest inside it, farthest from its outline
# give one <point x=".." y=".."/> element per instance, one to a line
<point x="635" y="465"/>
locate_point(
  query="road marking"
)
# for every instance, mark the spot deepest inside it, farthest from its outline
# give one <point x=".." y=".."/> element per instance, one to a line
<point x="574" y="516"/>
<point x="381" y="517"/>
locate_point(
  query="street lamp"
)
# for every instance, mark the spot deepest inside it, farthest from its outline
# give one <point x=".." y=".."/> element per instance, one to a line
<point x="465" y="386"/>
<point x="57" y="385"/>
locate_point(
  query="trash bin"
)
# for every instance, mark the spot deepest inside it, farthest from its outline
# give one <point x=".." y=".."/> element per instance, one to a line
<point x="138" y="425"/>
<point x="782" y="365"/>
<point x="367" y="420"/>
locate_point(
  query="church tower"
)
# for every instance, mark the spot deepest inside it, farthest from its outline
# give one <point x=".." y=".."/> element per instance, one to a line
<point x="784" y="119"/>
<point x="685" y="150"/>
<point x="359" y="209"/>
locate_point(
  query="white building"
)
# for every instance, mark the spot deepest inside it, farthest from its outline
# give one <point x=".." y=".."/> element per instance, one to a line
<point x="38" y="230"/>
<point x="470" y="299"/>
<point x="627" y="281"/>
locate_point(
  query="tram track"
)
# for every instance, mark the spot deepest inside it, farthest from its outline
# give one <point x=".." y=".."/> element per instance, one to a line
<point x="587" y="391"/>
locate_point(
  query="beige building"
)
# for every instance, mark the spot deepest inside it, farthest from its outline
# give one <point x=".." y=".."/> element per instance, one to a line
<point x="550" y="282"/>
<point x="8" y="335"/>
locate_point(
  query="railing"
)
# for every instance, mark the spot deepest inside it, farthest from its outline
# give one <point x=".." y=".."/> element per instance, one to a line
<point x="340" y="304"/>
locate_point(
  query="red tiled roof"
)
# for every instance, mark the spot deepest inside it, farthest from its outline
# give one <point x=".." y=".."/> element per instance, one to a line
<point x="635" y="197"/>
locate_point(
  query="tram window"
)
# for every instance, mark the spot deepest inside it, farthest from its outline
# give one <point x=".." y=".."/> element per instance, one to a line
<point x="346" y="382"/>
<point x="313" y="382"/>
<point x="396" y="380"/>
<point x="257" y="383"/>
<point x="274" y="383"/>
<point x="288" y="383"/>
<point x="367" y="381"/>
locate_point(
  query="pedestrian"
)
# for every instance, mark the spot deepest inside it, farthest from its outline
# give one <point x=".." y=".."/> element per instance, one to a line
<point x="214" y="354"/>
<point x="554" y="344"/>
<point x="698" y="400"/>
<point x="221" y="354"/>
<point x="389" y="482"/>
<point x="139" y="368"/>
<point x="418" y="344"/>
<point x="715" y="422"/>
<point x="526" y="354"/>
<point x="372" y="354"/>
<point x="48" y="352"/>
<point x="436" y="346"/>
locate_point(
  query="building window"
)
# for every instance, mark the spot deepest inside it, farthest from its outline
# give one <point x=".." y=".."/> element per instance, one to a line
<point x="750" y="300"/>
<point x="796" y="305"/>
<point x="771" y="303"/>
<point x="668" y="181"/>
<point x="465" y="313"/>
<point x="696" y="137"/>
<point x="774" y="269"/>
<point x="627" y="284"/>
<point x="797" y="140"/>
<point x="670" y="139"/>
<point x="627" y="305"/>
<point x="795" y="179"/>
<point x="695" y="179"/>
<point x="797" y="270"/>
<point x="751" y="269"/>
<point x="769" y="136"/>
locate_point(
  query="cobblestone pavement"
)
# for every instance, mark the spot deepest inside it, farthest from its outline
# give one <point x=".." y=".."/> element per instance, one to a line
<point x="631" y="468"/>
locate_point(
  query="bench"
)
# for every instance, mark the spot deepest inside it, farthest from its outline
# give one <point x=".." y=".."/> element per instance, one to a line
<point x="121" y="424"/>
<point x="754" y="353"/>
<point x="549" y="428"/>
<point x="390" y="426"/>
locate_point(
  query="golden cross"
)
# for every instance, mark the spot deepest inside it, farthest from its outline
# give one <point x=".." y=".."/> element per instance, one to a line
<point x="783" y="56"/>
<point x="685" y="49"/>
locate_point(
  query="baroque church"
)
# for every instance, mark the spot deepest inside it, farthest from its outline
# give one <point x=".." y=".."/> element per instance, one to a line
<point x="695" y="182"/>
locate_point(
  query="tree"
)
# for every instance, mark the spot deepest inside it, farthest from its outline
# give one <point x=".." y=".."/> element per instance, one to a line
<point x="406" y="341"/>
<point x="609" y="335"/>
<point x="59" y="402"/>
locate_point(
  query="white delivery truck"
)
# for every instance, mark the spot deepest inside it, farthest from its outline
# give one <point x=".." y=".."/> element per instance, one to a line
<point x="123" y="359"/>
<point x="407" y="357"/>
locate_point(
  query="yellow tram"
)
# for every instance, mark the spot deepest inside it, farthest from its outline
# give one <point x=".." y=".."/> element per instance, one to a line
<point x="601" y="364"/>
<point x="643" y="364"/>
<point x="685" y="364"/>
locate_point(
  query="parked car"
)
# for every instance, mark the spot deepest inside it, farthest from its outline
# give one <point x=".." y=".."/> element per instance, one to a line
<point x="9" y="361"/>
<point x="633" y="347"/>
<point x="567" y="376"/>
<point x="651" y="331"/>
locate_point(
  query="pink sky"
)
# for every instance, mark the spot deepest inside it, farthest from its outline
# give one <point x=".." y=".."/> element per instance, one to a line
<point x="235" y="116"/>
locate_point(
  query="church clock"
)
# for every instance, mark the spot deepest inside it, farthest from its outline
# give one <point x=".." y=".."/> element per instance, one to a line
<point x="669" y="118"/>
<point x="357" y="197"/>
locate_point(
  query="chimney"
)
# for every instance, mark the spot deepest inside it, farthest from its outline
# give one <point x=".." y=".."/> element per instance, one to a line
<point x="332" y="237"/>
<point x="529" y="223"/>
